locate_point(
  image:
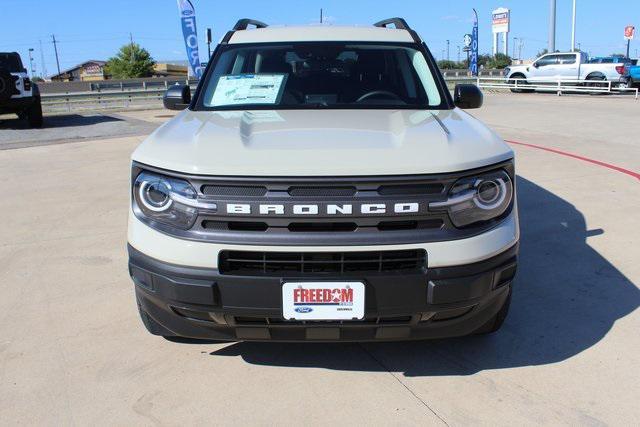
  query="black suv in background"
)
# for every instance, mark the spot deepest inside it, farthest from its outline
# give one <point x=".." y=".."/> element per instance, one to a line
<point x="18" y="95"/>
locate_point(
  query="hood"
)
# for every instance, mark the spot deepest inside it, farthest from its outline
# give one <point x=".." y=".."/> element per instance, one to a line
<point x="521" y="68"/>
<point x="321" y="143"/>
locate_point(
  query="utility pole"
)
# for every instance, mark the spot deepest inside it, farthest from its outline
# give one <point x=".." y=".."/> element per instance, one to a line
<point x="132" y="54"/>
<point x="321" y="15"/>
<point x="31" y="63"/>
<point x="552" y="26"/>
<point x="209" y="43"/>
<point x="520" y="48"/>
<point x="448" y="57"/>
<point x="458" y="46"/>
<point x="573" y="28"/>
<point x="43" y="68"/>
<point x="515" y="42"/>
<point x="55" y="48"/>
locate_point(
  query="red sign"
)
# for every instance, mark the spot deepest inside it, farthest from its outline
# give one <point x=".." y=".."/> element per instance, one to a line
<point x="628" y="32"/>
<point x="323" y="296"/>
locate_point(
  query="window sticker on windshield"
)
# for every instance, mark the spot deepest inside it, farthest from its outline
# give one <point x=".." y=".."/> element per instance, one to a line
<point x="248" y="89"/>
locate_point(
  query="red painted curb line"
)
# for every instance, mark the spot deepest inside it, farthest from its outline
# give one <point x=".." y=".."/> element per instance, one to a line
<point x="636" y="175"/>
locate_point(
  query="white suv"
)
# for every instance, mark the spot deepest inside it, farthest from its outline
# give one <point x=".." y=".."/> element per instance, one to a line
<point x="323" y="185"/>
<point x="18" y="95"/>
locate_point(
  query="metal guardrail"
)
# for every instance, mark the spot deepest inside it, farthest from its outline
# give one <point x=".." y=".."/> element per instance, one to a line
<point x="558" y="86"/>
<point x="122" y="95"/>
<point x="125" y="97"/>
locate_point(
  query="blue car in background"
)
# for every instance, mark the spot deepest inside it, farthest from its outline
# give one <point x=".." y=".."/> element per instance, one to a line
<point x="632" y="74"/>
<point x="609" y="60"/>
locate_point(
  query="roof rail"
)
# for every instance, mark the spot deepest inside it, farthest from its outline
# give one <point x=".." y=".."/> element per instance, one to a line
<point x="399" y="23"/>
<point x="243" y="24"/>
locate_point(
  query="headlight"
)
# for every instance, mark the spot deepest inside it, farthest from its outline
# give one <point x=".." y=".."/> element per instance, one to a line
<point x="166" y="200"/>
<point x="477" y="199"/>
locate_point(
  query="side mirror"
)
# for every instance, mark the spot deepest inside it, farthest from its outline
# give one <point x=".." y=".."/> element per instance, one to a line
<point x="467" y="96"/>
<point x="177" y="97"/>
<point x="535" y="65"/>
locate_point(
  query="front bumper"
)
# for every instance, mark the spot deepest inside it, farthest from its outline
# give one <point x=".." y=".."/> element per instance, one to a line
<point x="439" y="302"/>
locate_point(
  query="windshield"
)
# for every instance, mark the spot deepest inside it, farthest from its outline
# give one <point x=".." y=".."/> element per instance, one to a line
<point x="11" y="62"/>
<point x="320" y="75"/>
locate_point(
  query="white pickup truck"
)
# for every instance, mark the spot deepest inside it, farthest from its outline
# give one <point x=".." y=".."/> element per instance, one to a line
<point x="569" y="66"/>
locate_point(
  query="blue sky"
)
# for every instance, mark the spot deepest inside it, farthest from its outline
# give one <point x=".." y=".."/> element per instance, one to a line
<point x="96" y="29"/>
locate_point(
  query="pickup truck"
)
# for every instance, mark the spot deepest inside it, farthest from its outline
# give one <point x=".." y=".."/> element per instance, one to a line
<point x="551" y="67"/>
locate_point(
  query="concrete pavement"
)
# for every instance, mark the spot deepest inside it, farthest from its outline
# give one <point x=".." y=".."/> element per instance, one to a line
<point x="73" y="351"/>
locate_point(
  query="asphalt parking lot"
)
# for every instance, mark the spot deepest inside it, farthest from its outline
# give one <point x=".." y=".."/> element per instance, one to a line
<point x="73" y="351"/>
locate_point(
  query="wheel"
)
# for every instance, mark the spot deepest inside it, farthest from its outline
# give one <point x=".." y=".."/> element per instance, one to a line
<point x="520" y="83"/>
<point x="593" y="82"/>
<point x="34" y="114"/>
<point x="152" y="326"/>
<point x="495" y="323"/>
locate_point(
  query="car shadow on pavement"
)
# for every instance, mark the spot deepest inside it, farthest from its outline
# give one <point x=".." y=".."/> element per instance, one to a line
<point x="58" y="121"/>
<point x="566" y="299"/>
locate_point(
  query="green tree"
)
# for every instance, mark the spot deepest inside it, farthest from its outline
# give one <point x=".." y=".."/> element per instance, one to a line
<point x="499" y="61"/>
<point x="449" y="65"/>
<point x="131" y="61"/>
<point x="542" y="52"/>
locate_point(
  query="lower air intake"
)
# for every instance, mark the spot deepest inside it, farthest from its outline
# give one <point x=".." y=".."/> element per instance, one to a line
<point x="314" y="263"/>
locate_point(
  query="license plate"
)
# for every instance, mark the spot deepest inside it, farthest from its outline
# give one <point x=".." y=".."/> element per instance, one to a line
<point x="323" y="300"/>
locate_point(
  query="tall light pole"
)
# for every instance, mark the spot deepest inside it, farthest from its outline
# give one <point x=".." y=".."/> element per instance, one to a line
<point x="552" y="26"/>
<point x="573" y="28"/>
<point x="458" y="46"/>
<point x="515" y="43"/>
<point x="33" y="72"/>
<point x="448" y="57"/>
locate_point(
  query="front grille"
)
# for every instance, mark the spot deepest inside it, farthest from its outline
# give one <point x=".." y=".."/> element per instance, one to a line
<point x="324" y="211"/>
<point x="322" y="191"/>
<point x="335" y="263"/>
<point x="234" y="190"/>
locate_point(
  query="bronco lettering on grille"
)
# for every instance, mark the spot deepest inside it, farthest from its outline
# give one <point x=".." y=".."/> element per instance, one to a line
<point x="330" y="209"/>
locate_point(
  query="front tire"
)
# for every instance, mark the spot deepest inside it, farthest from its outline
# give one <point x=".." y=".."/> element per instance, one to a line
<point x="520" y="83"/>
<point x="495" y="323"/>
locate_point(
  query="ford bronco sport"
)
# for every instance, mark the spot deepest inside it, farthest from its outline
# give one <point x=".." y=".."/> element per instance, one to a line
<point x="18" y="95"/>
<point x="322" y="184"/>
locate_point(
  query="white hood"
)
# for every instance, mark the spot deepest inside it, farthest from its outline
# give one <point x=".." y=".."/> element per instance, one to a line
<point x="322" y="143"/>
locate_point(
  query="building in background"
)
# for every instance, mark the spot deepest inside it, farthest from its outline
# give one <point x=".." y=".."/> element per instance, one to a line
<point x="165" y="69"/>
<point x="86" y="72"/>
<point x="91" y="71"/>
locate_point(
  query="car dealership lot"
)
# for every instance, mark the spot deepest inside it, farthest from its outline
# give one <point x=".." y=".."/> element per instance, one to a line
<point x="73" y="351"/>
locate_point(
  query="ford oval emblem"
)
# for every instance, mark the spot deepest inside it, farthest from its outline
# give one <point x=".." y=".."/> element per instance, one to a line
<point x="303" y="309"/>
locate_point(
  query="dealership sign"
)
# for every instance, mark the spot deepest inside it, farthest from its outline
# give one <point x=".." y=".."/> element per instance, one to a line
<point x="473" y="59"/>
<point x="629" y="30"/>
<point x="190" y="33"/>
<point x="500" y="20"/>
